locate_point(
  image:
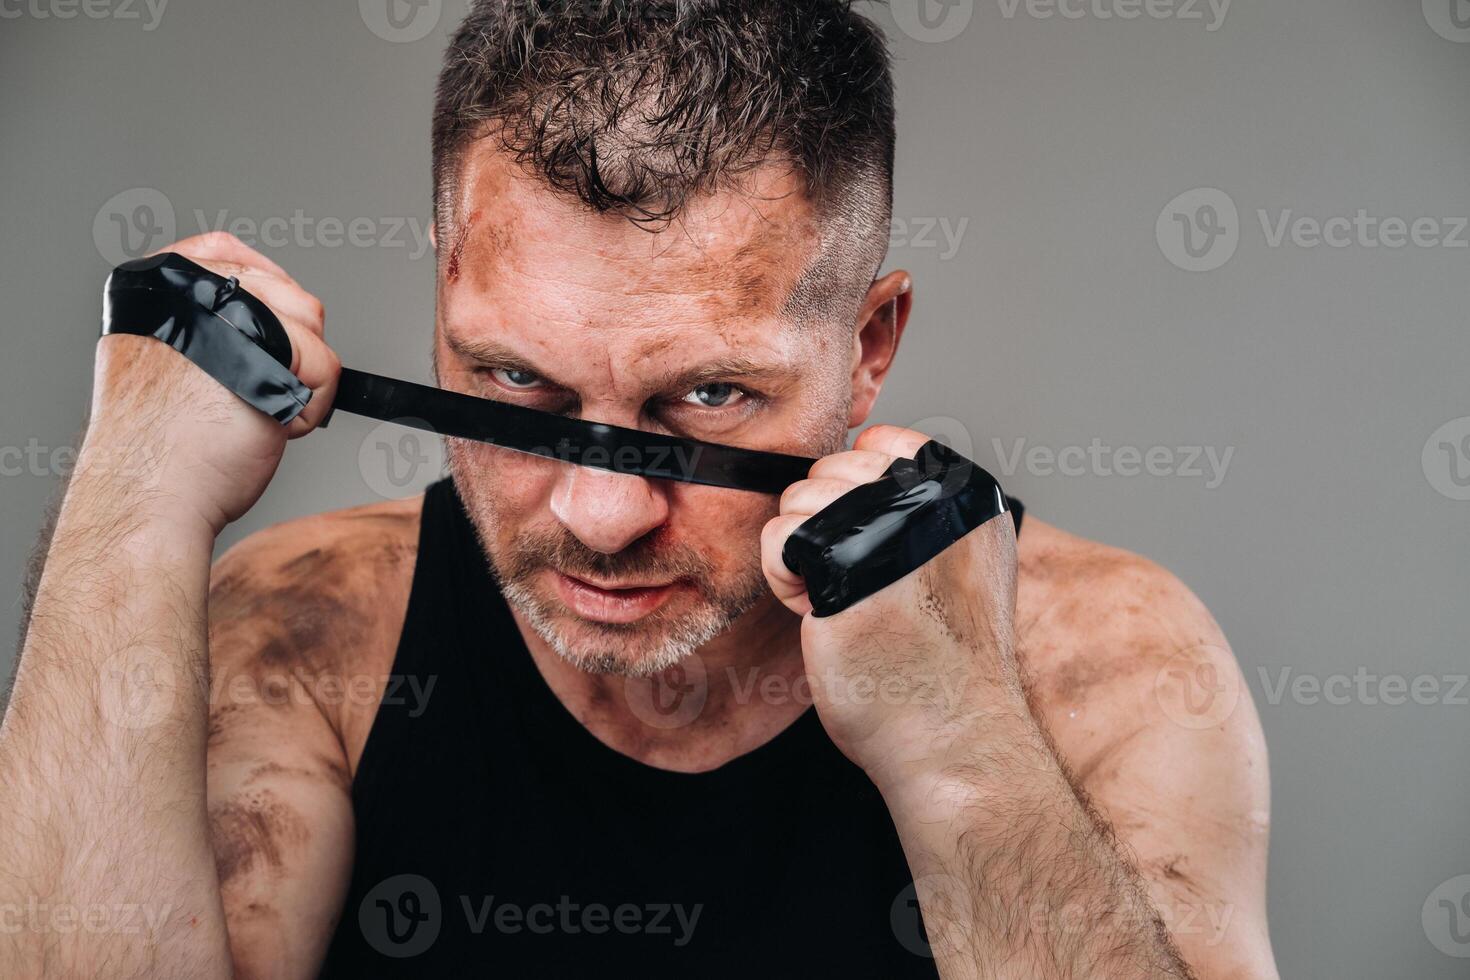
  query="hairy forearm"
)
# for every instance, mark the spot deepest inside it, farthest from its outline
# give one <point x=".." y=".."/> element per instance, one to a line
<point x="1016" y="876"/>
<point x="105" y="860"/>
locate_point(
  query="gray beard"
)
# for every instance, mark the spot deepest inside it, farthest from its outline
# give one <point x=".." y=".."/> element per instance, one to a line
<point x="683" y="639"/>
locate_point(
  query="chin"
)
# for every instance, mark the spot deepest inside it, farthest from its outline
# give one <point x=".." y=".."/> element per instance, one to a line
<point x="638" y="649"/>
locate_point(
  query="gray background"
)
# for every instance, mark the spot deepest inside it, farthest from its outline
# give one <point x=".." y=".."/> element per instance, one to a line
<point x="1331" y="547"/>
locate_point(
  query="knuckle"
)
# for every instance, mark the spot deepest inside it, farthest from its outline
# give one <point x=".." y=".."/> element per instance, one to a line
<point x="789" y="495"/>
<point x="218" y="240"/>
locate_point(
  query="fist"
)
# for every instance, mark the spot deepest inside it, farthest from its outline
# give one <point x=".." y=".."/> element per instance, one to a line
<point x="187" y="438"/>
<point x="900" y="675"/>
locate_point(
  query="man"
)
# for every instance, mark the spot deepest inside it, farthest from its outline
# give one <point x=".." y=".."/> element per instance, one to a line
<point x="602" y="732"/>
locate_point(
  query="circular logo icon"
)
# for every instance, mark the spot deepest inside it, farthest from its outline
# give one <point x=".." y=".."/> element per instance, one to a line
<point x="1199" y="230"/>
<point x="932" y="21"/>
<point x="1446" y="917"/>
<point x="133" y="223"/>
<point x="671" y="698"/>
<point x="400" y="20"/>
<point x="397" y="458"/>
<point x="949" y="432"/>
<point x="952" y="432"/>
<point x="1450" y="19"/>
<point x="1198" y="687"/>
<point x="137" y="688"/>
<point x="401" y="916"/>
<point x="948" y="902"/>
<point x="1446" y="459"/>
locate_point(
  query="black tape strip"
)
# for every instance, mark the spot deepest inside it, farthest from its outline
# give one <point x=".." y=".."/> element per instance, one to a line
<point x="607" y="447"/>
<point x="183" y="304"/>
<point x="877" y="533"/>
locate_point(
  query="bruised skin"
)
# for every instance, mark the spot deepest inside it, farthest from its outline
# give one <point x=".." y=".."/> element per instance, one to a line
<point x="304" y="621"/>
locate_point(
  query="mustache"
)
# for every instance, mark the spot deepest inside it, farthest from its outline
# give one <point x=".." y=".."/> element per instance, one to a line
<point x="648" y="557"/>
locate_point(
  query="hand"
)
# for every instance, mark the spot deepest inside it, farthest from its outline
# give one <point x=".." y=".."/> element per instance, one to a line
<point x="907" y="676"/>
<point x="186" y="441"/>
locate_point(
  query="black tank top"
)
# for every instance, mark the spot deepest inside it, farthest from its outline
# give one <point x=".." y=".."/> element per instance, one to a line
<point x="497" y="837"/>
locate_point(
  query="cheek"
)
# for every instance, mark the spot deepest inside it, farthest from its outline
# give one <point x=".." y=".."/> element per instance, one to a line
<point x="723" y="525"/>
<point x="515" y="485"/>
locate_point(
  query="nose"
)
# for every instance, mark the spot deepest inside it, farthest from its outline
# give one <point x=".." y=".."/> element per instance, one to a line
<point x="607" y="511"/>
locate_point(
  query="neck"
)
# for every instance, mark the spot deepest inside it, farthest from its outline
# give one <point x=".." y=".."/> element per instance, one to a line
<point x="730" y="697"/>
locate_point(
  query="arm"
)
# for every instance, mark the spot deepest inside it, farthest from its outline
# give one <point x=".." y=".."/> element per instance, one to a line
<point x="103" y="826"/>
<point x="101" y="762"/>
<point x="1146" y="854"/>
<point x="303" y="626"/>
<point x="280" y="810"/>
<point x="1018" y="874"/>
<point x="1166" y="744"/>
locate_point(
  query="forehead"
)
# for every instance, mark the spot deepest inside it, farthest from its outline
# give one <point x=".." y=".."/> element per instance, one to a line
<point x="526" y="260"/>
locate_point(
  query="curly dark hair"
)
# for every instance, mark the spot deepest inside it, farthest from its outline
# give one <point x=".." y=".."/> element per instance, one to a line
<point x="635" y="106"/>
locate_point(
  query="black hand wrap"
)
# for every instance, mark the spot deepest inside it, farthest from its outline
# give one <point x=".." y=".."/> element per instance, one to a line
<point x="867" y="539"/>
<point x="877" y="533"/>
<point x="184" y="305"/>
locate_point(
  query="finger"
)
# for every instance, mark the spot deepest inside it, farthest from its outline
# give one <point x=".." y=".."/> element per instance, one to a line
<point x="809" y="497"/>
<point x="318" y="367"/>
<point x="223" y="246"/>
<point x="280" y="292"/>
<point x="787" y="586"/>
<point x="287" y="301"/>
<point x="854" y="466"/>
<point x="893" y="440"/>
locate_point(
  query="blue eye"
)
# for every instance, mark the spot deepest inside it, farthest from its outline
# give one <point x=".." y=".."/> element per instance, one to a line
<point x="718" y="395"/>
<point x="516" y="378"/>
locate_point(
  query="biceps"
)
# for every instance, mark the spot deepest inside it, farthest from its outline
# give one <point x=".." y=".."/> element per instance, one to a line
<point x="282" y="832"/>
<point x="1192" y="811"/>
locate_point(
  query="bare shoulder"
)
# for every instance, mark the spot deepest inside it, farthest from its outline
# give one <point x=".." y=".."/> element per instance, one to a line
<point x="314" y="605"/>
<point x="1102" y="630"/>
<point x="1138" y="686"/>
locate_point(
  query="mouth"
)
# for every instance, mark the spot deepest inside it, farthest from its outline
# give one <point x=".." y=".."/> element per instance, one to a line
<point x="612" y="602"/>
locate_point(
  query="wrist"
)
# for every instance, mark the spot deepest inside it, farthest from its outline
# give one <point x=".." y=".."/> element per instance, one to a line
<point x="995" y="755"/>
<point x="141" y="477"/>
<point x="138" y="518"/>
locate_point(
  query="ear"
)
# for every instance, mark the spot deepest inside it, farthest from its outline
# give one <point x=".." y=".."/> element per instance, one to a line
<point x="884" y="314"/>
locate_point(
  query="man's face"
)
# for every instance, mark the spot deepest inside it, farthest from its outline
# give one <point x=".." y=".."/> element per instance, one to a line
<point x="546" y="305"/>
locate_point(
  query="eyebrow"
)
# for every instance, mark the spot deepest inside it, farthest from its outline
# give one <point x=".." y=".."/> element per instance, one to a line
<point x="730" y="367"/>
